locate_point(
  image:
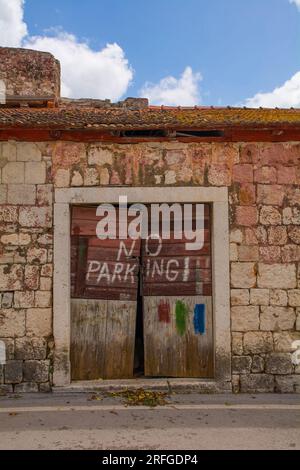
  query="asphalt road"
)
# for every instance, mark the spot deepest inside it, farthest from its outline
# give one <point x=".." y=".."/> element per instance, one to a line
<point x="189" y="421"/>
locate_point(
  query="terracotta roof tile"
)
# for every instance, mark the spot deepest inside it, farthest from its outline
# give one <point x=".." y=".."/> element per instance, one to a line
<point x="150" y="118"/>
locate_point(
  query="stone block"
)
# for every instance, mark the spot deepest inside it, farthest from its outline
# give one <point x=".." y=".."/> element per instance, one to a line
<point x="35" y="172"/>
<point x="259" y="296"/>
<point x="277" y="235"/>
<point x="36" y="371"/>
<point x="248" y="253"/>
<point x="62" y="178"/>
<point x="24" y="299"/>
<point x="294" y="297"/>
<point x="287" y="384"/>
<point x="258" y="342"/>
<point x="244" y="318"/>
<point x="270" y="254"/>
<point x="278" y="297"/>
<point x="36" y="217"/>
<point x="11" y="277"/>
<point x="270" y="215"/>
<point x="39" y="322"/>
<point x="279" y="363"/>
<point x="21" y="194"/>
<point x="258" y="365"/>
<point x="243" y="173"/>
<point x="243" y="275"/>
<point x="13" y="173"/>
<point x="287" y="175"/>
<point x="28" y="152"/>
<point x="257" y="383"/>
<point x="241" y="364"/>
<point x="99" y="156"/>
<point x="283" y="341"/>
<point x="32" y="277"/>
<point x="277" y="318"/>
<point x="77" y="179"/>
<point x="246" y="215"/>
<point x="43" y="299"/>
<point x="91" y="177"/>
<point x="237" y="343"/>
<point x="13" y="372"/>
<point x="271" y="194"/>
<point x="26" y="387"/>
<point x="44" y="195"/>
<point x="236" y="236"/>
<point x="7" y="300"/>
<point x="3" y="193"/>
<point x="265" y="174"/>
<point x="281" y="276"/>
<point x="8" y="214"/>
<point x="239" y="297"/>
<point x="12" y="323"/>
<point x="37" y="255"/>
<point x="29" y="348"/>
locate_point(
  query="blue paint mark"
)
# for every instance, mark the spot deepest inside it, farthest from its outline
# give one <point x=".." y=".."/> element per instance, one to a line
<point x="199" y="319"/>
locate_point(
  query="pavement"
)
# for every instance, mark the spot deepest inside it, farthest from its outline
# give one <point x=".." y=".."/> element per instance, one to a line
<point x="189" y="421"/>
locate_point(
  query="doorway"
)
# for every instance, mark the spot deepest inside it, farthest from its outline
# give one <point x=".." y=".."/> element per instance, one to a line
<point x="139" y="308"/>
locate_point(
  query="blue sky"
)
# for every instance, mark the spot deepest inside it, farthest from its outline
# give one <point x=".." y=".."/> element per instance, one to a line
<point x="239" y="47"/>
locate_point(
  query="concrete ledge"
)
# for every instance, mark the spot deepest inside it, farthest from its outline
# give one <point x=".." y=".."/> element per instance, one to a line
<point x="196" y="385"/>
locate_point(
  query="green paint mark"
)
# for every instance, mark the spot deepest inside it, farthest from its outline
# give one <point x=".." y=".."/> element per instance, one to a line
<point x="181" y="317"/>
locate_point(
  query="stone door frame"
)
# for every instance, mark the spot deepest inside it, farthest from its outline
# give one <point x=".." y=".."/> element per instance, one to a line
<point x="218" y="197"/>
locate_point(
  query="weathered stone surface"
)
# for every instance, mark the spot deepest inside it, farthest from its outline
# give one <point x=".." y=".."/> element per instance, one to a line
<point x="35" y="217"/>
<point x="219" y="175"/>
<point x="287" y="384"/>
<point x="3" y="193"/>
<point x="12" y="323"/>
<point x="91" y="177"/>
<point x="26" y="387"/>
<point x="258" y="342"/>
<point x="279" y="363"/>
<point x="8" y="214"/>
<point x="270" y="194"/>
<point x="247" y="194"/>
<point x="32" y="277"/>
<point x="259" y="296"/>
<point x="30" y="348"/>
<point x="237" y="343"/>
<point x="277" y="318"/>
<point x="255" y="236"/>
<point x="44" y="195"/>
<point x="278" y="297"/>
<point x="294" y="297"/>
<point x="241" y="364"/>
<point x="36" y="371"/>
<point x="291" y="215"/>
<point x="283" y="341"/>
<point x="47" y="270"/>
<point x="9" y="151"/>
<point x="246" y="215"/>
<point x="277" y="235"/>
<point x="294" y="234"/>
<point x="270" y="254"/>
<point x="244" y="318"/>
<point x="62" y="178"/>
<point x="13" y="173"/>
<point x="11" y="277"/>
<point x="39" y="322"/>
<point x="287" y="175"/>
<point x="7" y="300"/>
<point x="37" y="255"/>
<point x="45" y="283"/>
<point x="35" y="173"/>
<point x="281" y="276"/>
<point x="290" y="253"/>
<point x="248" y="253"/>
<point x="265" y="174"/>
<point x="233" y="252"/>
<point x="235" y="381"/>
<point x="24" y="299"/>
<point x="243" y="173"/>
<point x="239" y="297"/>
<point x="243" y="275"/>
<point x="257" y="383"/>
<point x="43" y="299"/>
<point x="21" y="194"/>
<point x="13" y="372"/>
<point x="258" y="365"/>
<point x="77" y="179"/>
<point x="99" y="156"/>
<point x="236" y="236"/>
<point x="270" y="216"/>
<point x="28" y="152"/>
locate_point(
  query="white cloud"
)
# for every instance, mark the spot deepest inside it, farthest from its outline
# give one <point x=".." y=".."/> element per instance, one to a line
<point x="285" y="96"/>
<point x="170" y="91"/>
<point x="297" y="3"/>
<point x="85" y="72"/>
<point x="12" y="27"/>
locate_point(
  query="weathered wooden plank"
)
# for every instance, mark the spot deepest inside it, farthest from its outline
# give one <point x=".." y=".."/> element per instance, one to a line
<point x="120" y="339"/>
<point x="88" y="338"/>
<point x="173" y="348"/>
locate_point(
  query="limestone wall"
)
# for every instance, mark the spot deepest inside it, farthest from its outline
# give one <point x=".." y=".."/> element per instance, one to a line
<point x="264" y="198"/>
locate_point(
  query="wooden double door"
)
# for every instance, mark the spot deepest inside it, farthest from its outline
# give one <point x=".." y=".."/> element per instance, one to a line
<point x="114" y="281"/>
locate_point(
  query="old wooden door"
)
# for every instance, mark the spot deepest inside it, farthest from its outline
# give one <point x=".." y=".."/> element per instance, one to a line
<point x="104" y="282"/>
<point x="178" y="320"/>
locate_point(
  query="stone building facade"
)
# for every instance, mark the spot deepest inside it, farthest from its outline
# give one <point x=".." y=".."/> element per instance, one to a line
<point x="254" y="156"/>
